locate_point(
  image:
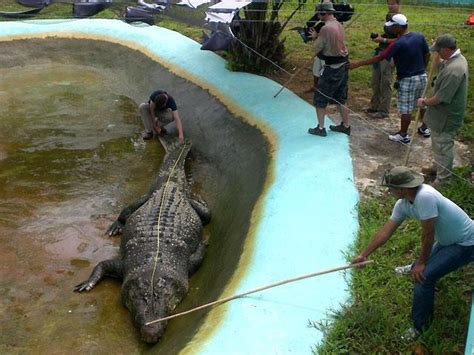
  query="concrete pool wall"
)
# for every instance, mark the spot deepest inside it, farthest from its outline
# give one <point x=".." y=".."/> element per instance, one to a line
<point x="303" y="221"/>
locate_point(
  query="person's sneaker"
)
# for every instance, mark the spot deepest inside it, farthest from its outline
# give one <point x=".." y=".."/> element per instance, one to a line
<point x="424" y="131"/>
<point x="147" y="135"/>
<point x="398" y="137"/>
<point x="411" y="334"/>
<point x="318" y="131"/>
<point x="403" y="270"/>
<point x="379" y="115"/>
<point x="341" y="129"/>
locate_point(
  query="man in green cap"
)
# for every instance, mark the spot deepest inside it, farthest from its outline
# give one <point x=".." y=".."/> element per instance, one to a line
<point x="445" y="107"/>
<point x="447" y="239"/>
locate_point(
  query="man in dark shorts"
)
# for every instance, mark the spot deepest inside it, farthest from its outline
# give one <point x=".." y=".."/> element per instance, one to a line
<point x="159" y="111"/>
<point x="332" y="85"/>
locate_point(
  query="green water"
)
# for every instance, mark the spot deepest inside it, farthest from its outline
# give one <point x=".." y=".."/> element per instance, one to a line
<point x="70" y="159"/>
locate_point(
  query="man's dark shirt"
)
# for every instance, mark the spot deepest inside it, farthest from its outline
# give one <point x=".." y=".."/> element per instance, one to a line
<point x="170" y="104"/>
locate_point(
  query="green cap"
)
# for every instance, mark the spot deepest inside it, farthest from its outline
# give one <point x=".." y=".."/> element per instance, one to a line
<point x="400" y="177"/>
<point x="325" y="7"/>
<point x="444" y="41"/>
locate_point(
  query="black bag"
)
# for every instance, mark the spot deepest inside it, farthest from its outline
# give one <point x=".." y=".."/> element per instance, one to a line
<point x="217" y="41"/>
<point x="87" y="9"/>
<point x="135" y="14"/>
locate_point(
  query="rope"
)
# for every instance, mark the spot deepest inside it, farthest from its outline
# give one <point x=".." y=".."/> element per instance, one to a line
<point x="276" y="284"/>
<point x="262" y="56"/>
<point x="155" y="264"/>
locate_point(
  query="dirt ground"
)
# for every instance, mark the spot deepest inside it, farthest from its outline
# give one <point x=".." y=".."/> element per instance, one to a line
<point x="372" y="151"/>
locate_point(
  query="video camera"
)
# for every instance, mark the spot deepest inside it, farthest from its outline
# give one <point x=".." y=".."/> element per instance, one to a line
<point x="304" y="32"/>
<point x="343" y="12"/>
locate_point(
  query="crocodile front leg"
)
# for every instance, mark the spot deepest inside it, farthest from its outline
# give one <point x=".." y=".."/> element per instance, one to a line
<point x="117" y="226"/>
<point x="110" y="268"/>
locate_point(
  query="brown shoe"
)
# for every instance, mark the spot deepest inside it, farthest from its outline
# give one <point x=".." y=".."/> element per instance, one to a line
<point x="147" y="136"/>
<point x="429" y="170"/>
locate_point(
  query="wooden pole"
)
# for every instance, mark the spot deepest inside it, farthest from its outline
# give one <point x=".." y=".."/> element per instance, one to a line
<point x="434" y="63"/>
<point x="230" y="298"/>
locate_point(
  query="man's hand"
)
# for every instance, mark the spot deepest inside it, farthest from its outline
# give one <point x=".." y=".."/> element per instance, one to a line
<point x="359" y="259"/>
<point x="313" y="33"/>
<point x="417" y="273"/>
<point x="378" y="39"/>
<point x="180" y="139"/>
<point x="421" y="102"/>
<point x="353" y="65"/>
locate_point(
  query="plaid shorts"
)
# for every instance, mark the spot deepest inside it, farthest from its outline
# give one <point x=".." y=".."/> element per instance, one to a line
<point x="409" y="91"/>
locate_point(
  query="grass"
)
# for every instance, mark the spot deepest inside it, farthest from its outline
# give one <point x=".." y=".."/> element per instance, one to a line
<point x="380" y="301"/>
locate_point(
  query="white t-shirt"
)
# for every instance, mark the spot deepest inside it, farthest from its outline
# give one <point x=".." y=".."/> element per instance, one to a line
<point x="452" y="224"/>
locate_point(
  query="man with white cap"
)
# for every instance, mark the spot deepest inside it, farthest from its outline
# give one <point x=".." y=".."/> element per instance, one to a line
<point x="447" y="239"/>
<point x="445" y="107"/>
<point x="411" y="55"/>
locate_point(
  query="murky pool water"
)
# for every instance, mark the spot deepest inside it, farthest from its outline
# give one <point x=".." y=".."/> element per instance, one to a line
<point x="70" y="159"/>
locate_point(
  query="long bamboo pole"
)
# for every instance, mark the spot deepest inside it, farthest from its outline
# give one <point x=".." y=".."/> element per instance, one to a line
<point x="434" y="63"/>
<point x="230" y="298"/>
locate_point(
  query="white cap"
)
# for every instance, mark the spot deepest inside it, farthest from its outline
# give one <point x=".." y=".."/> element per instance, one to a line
<point x="397" y="19"/>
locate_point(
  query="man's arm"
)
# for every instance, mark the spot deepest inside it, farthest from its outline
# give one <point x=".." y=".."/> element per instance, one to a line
<point x="179" y="125"/>
<point x="430" y="101"/>
<point x="361" y="63"/>
<point x="427" y="240"/>
<point x="382" y="235"/>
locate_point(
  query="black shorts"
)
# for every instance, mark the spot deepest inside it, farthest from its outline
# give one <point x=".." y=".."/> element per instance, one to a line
<point x="332" y="86"/>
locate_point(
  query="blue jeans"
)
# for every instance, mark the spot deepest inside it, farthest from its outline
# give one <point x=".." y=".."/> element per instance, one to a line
<point x="442" y="261"/>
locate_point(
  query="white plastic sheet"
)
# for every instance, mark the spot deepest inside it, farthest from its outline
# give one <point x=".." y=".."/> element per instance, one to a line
<point x="193" y="3"/>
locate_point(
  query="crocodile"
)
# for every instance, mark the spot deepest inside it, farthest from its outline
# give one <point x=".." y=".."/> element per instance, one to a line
<point x="161" y="245"/>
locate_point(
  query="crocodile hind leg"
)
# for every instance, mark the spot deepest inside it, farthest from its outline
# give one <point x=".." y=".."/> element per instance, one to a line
<point x="202" y="209"/>
<point x="110" y="268"/>
<point x="196" y="258"/>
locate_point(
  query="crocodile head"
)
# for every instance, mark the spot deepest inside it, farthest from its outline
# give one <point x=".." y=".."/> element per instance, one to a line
<point x="147" y="304"/>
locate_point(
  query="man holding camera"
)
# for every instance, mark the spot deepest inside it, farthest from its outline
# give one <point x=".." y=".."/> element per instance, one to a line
<point x="382" y="74"/>
<point x="332" y="85"/>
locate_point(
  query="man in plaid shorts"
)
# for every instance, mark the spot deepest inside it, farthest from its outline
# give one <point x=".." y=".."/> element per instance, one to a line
<point x="411" y="55"/>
